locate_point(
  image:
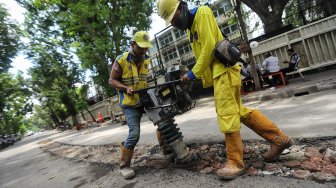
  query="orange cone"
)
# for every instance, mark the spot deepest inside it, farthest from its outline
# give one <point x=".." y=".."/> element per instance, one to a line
<point x="100" y="118"/>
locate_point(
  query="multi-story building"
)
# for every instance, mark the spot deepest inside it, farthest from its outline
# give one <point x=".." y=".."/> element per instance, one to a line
<point x="171" y="46"/>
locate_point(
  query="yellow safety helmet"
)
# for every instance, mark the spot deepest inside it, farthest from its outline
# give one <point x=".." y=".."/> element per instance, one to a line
<point x="167" y="9"/>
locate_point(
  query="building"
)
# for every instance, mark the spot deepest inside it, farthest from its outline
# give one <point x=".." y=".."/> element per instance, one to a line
<point x="171" y="46"/>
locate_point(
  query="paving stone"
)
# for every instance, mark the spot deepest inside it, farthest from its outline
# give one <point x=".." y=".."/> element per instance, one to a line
<point x="293" y="164"/>
<point x="328" y="153"/>
<point x="216" y="164"/>
<point x="311" y="166"/>
<point x="273" y="167"/>
<point x="205" y="147"/>
<point x="331" y="168"/>
<point x="333" y="158"/>
<point x="202" y="164"/>
<point x="302" y="174"/>
<point x="251" y="171"/>
<point x="323" y="177"/>
<point x="257" y="164"/>
<point x="207" y="170"/>
<point x="313" y="152"/>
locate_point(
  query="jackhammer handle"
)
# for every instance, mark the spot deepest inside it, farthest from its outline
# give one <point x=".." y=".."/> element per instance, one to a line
<point x="159" y="85"/>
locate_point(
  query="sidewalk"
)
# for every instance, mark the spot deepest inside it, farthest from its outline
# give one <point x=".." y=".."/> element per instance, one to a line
<point x="199" y="125"/>
<point x="313" y="82"/>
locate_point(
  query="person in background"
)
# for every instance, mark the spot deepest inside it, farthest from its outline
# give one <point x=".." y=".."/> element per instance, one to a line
<point x="270" y="65"/>
<point x="294" y="59"/>
<point x="259" y="72"/>
<point x="204" y="34"/>
<point x="247" y="82"/>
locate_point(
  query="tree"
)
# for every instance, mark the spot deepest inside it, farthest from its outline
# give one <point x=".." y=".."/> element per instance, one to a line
<point x="9" y="40"/>
<point x="54" y="72"/>
<point x="243" y="28"/>
<point x="100" y="30"/>
<point x="82" y="102"/>
<point x="302" y="12"/>
<point x="269" y="11"/>
<point x="15" y="102"/>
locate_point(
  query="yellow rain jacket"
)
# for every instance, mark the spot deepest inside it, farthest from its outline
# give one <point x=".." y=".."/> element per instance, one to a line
<point x="203" y="36"/>
<point x="133" y="76"/>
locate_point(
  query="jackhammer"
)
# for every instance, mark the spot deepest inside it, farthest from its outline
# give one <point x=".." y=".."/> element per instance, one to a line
<point x="163" y="102"/>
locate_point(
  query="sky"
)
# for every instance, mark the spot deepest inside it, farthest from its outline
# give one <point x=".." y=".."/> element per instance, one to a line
<point x="16" y="11"/>
<point x="19" y="62"/>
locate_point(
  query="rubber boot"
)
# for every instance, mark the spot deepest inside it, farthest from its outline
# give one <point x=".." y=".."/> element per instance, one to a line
<point x="265" y="128"/>
<point x="125" y="161"/>
<point x="165" y="148"/>
<point x="234" y="153"/>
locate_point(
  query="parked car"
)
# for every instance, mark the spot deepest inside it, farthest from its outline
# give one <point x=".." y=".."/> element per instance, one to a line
<point x="10" y="139"/>
<point x="4" y="142"/>
<point x="29" y="133"/>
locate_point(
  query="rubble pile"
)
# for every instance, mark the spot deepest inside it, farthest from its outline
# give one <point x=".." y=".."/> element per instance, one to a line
<point x="309" y="160"/>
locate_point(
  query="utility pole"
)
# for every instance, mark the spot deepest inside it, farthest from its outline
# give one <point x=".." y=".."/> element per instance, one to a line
<point x="249" y="52"/>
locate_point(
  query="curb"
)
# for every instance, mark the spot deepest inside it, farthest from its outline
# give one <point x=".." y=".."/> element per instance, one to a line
<point x="292" y="92"/>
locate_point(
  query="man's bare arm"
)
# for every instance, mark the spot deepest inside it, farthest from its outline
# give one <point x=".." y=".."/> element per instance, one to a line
<point x="115" y="82"/>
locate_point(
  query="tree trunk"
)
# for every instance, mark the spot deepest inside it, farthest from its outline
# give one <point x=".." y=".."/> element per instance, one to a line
<point x="269" y="11"/>
<point x="93" y="119"/>
<point x="82" y="113"/>
<point x="250" y="55"/>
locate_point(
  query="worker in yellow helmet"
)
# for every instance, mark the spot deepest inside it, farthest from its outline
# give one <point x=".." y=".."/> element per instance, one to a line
<point x="129" y="73"/>
<point x="204" y="34"/>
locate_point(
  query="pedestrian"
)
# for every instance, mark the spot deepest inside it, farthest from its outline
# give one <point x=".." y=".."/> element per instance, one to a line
<point x="294" y="59"/>
<point x="204" y="34"/>
<point x="270" y="65"/>
<point x="247" y="80"/>
<point x="129" y="73"/>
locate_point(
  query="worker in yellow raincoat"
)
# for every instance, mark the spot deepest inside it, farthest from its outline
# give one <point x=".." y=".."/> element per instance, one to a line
<point x="204" y="34"/>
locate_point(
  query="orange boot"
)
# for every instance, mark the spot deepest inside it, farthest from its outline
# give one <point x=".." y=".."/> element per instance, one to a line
<point x="165" y="148"/>
<point x="125" y="162"/>
<point x="265" y="128"/>
<point x="234" y="153"/>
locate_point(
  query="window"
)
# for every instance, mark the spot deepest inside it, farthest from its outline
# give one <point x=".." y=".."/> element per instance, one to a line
<point x="215" y="12"/>
<point x="184" y="48"/>
<point x="222" y="8"/>
<point x="165" y="40"/>
<point x="179" y="33"/>
<point x="170" y="55"/>
<point x="227" y="29"/>
<point x="227" y="7"/>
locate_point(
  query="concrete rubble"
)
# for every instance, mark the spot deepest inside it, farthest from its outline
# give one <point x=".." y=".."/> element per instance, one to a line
<point x="309" y="159"/>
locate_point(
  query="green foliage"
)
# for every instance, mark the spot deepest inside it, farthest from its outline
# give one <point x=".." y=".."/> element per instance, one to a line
<point x="15" y="102"/>
<point x="269" y="11"/>
<point x="40" y="119"/>
<point x="54" y="72"/>
<point x="102" y="30"/>
<point x="22" y="129"/>
<point x="301" y="12"/>
<point x="9" y="40"/>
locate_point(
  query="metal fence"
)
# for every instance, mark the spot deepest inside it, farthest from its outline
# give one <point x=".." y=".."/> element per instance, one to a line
<point x="315" y="43"/>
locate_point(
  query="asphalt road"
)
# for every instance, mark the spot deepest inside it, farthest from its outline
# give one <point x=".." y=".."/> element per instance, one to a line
<point x="310" y="115"/>
<point x="25" y="165"/>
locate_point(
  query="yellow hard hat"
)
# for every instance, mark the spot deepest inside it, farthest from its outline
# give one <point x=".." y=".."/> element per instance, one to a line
<point x="167" y="9"/>
<point x="142" y="39"/>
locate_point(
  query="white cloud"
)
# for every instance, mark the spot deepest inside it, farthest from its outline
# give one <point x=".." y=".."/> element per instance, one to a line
<point x="157" y="25"/>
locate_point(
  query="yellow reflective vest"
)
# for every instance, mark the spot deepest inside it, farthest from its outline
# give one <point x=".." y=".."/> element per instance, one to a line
<point x="133" y="76"/>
